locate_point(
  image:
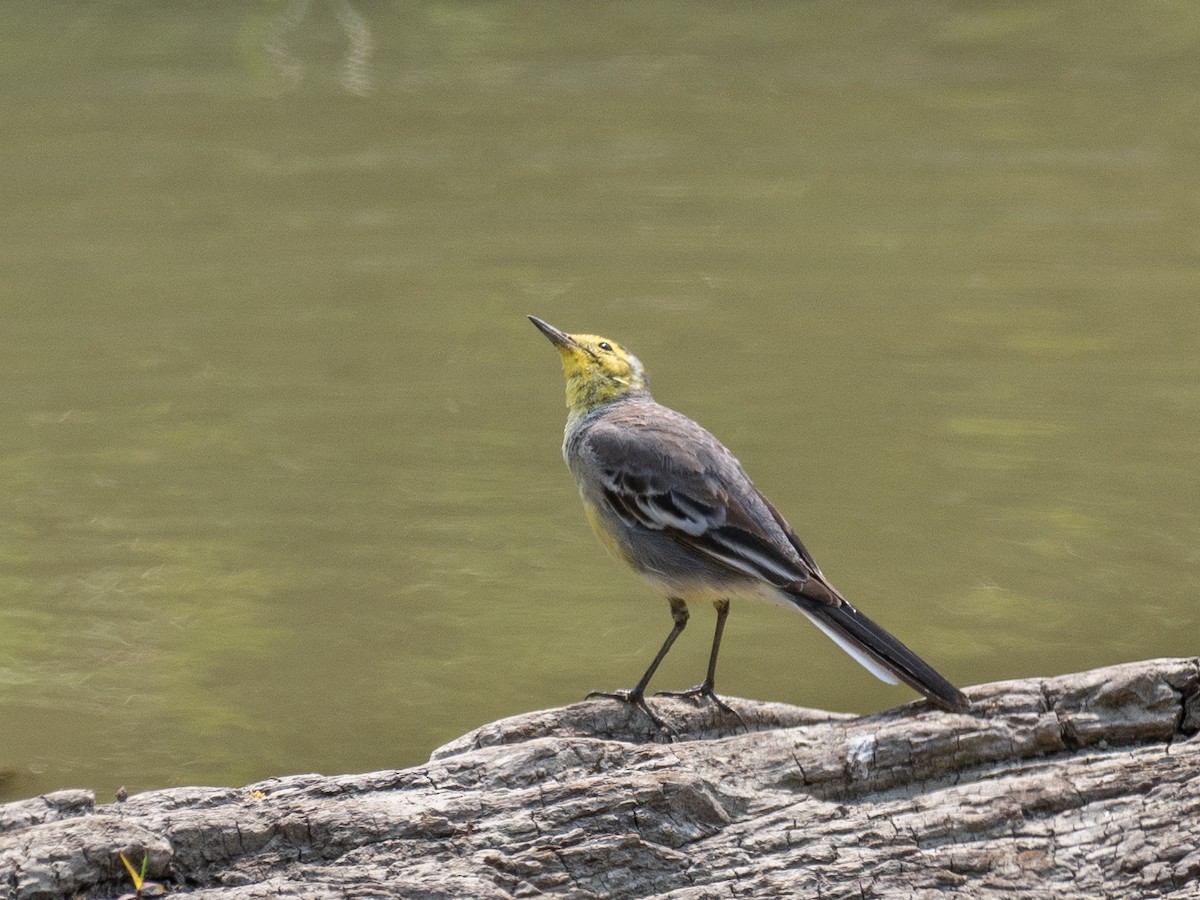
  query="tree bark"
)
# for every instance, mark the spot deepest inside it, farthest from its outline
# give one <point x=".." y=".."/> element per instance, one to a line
<point x="1079" y="786"/>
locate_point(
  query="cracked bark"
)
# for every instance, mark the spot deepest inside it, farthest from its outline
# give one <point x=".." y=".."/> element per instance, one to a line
<point x="1084" y="785"/>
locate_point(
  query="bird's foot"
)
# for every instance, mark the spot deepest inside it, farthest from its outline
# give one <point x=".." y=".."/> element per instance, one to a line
<point x="634" y="698"/>
<point x="701" y="692"/>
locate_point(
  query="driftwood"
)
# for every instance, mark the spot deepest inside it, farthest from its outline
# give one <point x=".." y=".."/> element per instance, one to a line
<point x="1084" y="785"/>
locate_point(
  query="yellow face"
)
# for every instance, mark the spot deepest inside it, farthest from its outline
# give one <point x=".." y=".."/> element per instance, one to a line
<point x="595" y="358"/>
<point x="597" y="369"/>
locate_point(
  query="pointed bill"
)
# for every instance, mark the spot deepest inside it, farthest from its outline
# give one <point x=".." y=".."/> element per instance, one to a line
<point x="559" y="339"/>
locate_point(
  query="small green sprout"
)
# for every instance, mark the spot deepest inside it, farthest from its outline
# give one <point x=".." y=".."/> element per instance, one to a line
<point x="139" y="878"/>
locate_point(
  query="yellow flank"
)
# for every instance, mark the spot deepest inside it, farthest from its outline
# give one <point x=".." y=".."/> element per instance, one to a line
<point x="607" y="538"/>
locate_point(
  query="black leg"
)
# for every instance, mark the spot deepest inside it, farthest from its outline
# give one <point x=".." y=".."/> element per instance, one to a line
<point x="722" y="614"/>
<point x="637" y="694"/>
<point x="707" y="688"/>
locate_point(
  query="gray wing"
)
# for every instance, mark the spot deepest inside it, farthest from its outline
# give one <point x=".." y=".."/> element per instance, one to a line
<point x="682" y="481"/>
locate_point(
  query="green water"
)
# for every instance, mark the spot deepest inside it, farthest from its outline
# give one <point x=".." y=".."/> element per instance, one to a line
<point x="279" y="452"/>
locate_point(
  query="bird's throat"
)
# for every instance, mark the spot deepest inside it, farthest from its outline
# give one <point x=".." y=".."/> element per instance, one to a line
<point x="585" y="394"/>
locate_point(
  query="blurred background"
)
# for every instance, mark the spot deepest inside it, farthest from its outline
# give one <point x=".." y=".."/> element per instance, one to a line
<point x="280" y="477"/>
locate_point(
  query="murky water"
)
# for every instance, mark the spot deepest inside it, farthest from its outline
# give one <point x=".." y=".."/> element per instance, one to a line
<point x="279" y="452"/>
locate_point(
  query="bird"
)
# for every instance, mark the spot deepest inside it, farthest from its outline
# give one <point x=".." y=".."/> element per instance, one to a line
<point x="667" y="498"/>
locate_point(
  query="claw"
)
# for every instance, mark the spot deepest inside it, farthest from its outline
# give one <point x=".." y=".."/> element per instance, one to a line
<point x="705" y="692"/>
<point x="637" y="699"/>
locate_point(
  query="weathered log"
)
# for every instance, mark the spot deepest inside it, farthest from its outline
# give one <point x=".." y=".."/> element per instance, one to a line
<point x="1084" y="785"/>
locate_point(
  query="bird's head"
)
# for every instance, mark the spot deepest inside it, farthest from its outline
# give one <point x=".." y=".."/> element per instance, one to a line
<point x="598" y="370"/>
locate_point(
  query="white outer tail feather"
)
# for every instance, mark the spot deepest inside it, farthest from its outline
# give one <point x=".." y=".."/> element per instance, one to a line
<point x="856" y="653"/>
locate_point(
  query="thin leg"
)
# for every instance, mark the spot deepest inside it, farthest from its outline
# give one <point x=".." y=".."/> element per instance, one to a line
<point x="637" y="694"/>
<point x="710" y="680"/>
<point x="706" y="688"/>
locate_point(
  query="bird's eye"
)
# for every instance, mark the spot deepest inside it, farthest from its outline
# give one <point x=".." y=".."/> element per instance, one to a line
<point x="605" y="345"/>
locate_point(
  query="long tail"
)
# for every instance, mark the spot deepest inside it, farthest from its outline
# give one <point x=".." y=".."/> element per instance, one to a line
<point x="879" y="652"/>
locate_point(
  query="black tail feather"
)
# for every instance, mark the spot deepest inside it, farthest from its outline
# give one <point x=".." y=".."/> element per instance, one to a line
<point x="887" y="651"/>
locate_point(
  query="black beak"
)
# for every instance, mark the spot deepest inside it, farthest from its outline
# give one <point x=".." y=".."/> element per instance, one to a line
<point x="557" y="338"/>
